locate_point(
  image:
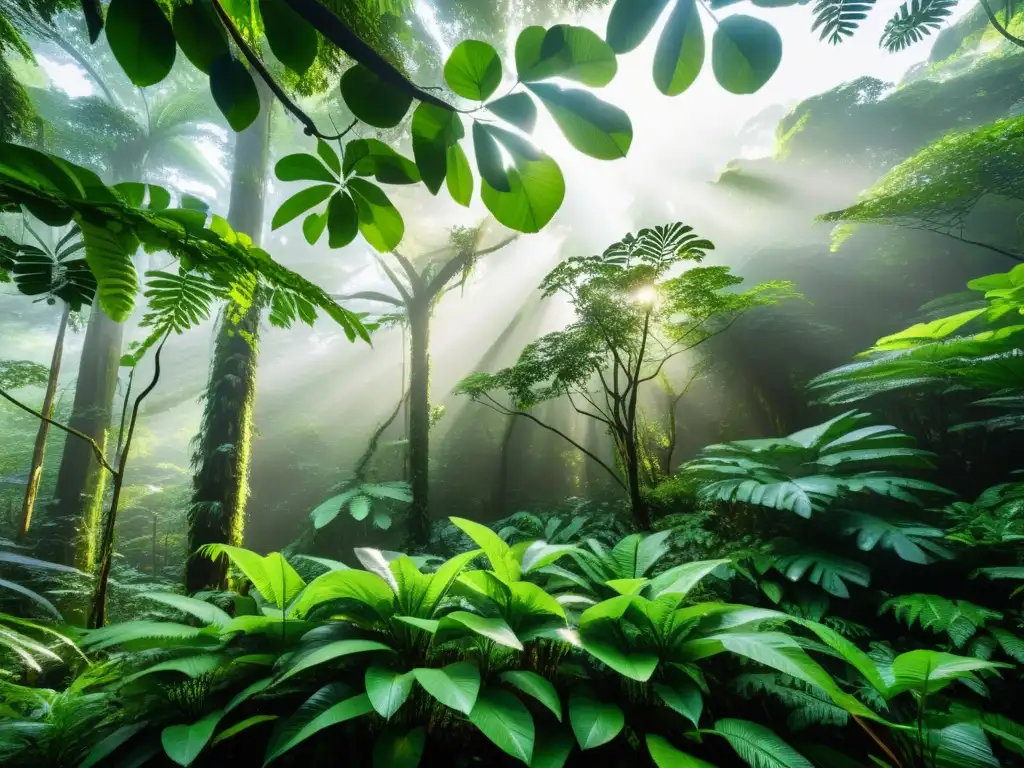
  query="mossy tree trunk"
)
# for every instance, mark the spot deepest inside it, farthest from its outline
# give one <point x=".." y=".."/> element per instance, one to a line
<point x="70" y="537"/>
<point x="222" y="448"/>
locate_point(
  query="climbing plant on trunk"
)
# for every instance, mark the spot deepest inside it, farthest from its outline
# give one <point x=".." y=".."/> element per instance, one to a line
<point x="631" y="320"/>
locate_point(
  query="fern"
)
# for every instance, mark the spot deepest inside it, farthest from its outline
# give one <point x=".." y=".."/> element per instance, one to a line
<point x="176" y="303"/>
<point x="839" y="19"/>
<point x="958" y="619"/>
<point x="913" y="22"/>
<point x="809" y="704"/>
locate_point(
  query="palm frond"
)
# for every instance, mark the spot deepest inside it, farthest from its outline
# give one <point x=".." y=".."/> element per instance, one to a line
<point x="914" y="21"/>
<point x="839" y="19"/>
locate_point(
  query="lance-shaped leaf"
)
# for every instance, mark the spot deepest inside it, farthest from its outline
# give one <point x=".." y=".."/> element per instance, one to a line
<point x="680" y="54"/>
<point x="596" y="128"/>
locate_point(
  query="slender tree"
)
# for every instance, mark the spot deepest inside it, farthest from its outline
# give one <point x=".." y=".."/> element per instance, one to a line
<point x="632" y="319"/>
<point x="418" y="294"/>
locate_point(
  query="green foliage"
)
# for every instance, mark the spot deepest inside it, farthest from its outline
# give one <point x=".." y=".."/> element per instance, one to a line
<point x="915" y="21"/>
<point x="50" y="273"/>
<point x="839" y="19"/>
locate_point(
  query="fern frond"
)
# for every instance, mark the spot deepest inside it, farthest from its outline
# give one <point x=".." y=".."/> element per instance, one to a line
<point x="839" y="19"/>
<point x="958" y="619"/>
<point x="913" y="22"/>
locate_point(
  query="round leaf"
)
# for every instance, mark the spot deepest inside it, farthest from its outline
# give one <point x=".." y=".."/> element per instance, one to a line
<point x="299" y="203"/>
<point x="575" y="53"/>
<point x="292" y="39"/>
<point x="342" y="226"/>
<point x="473" y="70"/>
<point x="594" y="722"/>
<point x="303" y="167"/>
<point x="360" y="506"/>
<point x="459" y="175"/>
<point x="489" y="161"/>
<point x="745" y="52"/>
<point x="503" y="719"/>
<point x="387" y="689"/>
<point x="200" y="34"/>
<point x="312" y="229"/>
<point x="680" y="54"/>
<point x="536" y="194"/>
<point x="183" y="743"/>
<point x="234" y="92"/>
<point x="596" y="128"/>
<point x="516" y="108"/>
<point x="456" y="686"/>
<point x="379" y="220"/>
<point x="631" y="21"/>
<point x="372" y="100"/>
<point x="141" y="39"/>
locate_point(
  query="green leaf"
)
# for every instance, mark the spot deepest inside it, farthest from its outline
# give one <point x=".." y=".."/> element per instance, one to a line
<point x="200" y="34"/>
<point x="745" y="52"/>
<point x="456" y="686"/>
<point x="489" y="161"/>
<point x="551" y="748"/>
<point x="680" y="54"/>
<point x="141" y="39"/>
<point x="758" y="746"/>
<point x="372" y="157"/>
<point x="495" y="629"/>
<point x="684" y="699"/>
<point x="534" y="685"/>
<point x="518" y="109"/>
<point x="234" y="92"/>
<point x="329" y="156"/>
<point x="292" y="39"/>
<point x="362" y="586"/>
<point x="631" y="21"/>
<point x="342" y="223"/>
<point x="395" y="749"/>
<point x="323" y="709"/>
<point x="303" y="167"/>
<point x="434" y="130"/>
<point x="574" y="53"/>
<point x="313" y="229"/>
<point x="473" y="70"/>
<point x="248" y="692"/>
<point x="329" y="652"/>
<point x="183" y="743"/>
<point x="503" y="719"/>
<point x="594" y="127"/>
<point x="594" y="722"/>
<point x="665" y="755"/>
<point x="110" y="255"/>
<point x="682" y="578"/>
<point x="109" y="744"/>
<point x="536" y="194"/>
<point x="299" y="203"/>
<point x="459" y="175"/>
<point x="927" y="671"/>
<point x="244" y="725"/>
<point x="387" y="689"/>
<point x="379" y="221"/>
<point x="373" y="100"/>
<point x="191" y="666"/>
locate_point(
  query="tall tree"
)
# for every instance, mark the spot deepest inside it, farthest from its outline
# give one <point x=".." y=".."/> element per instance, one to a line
<point x="418" y="294"/>
<point x="223" y="445"/>
<point x="632" y="319"/>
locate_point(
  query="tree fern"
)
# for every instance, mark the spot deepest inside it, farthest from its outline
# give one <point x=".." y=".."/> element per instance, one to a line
<point x="839" y="19"/>
<point x="914" y="21"/>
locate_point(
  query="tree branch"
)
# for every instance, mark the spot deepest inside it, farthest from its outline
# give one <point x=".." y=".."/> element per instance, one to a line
<point x="415" y="279"/>
<point x="582" y="412"/>
<point x="368" y="296"/>
<point x="371" y="447"/>
<point x="449" y="270"/>
<point x="95" y="446"/>
<point x="256" y="63"/>
<point x="399" y="286"/>
<point x="335" y="30"/>
<point x="508" y="412"/>
<point x="979" y="244"/>
<point x="999" y="27"/>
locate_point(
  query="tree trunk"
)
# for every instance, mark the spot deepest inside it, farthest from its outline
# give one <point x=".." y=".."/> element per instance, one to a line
<point x="419" y="420"/>
<point x="35" y="473"/>
<point x="221" y="460"/>
<point x="78" y="497"/>
<point x="641" y="514"/>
